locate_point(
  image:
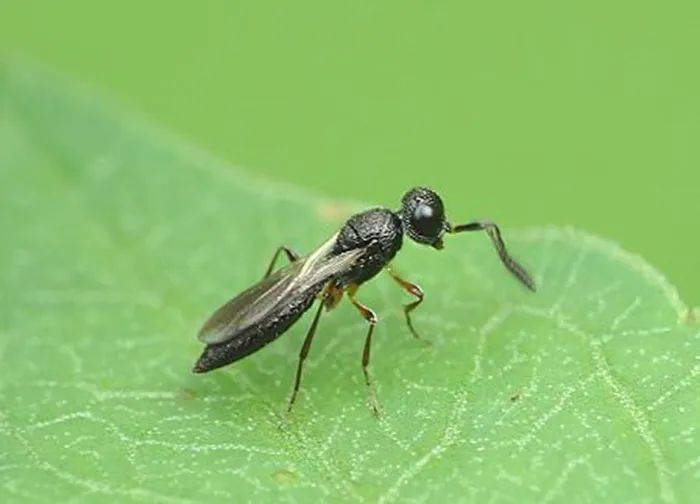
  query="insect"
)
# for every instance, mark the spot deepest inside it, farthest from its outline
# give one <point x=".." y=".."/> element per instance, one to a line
<point x="364" y="246"/>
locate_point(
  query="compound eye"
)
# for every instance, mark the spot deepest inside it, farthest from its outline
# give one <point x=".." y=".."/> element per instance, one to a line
<point x="427" y="220"/>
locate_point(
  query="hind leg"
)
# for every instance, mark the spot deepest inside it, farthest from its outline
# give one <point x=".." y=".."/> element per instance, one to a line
<point x="302" y="355"/>
<point x="291" y="255"/>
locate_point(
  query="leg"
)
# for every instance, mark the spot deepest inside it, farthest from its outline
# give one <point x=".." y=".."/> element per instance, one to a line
<point x="370" y="317"/>
<point x="303" y="353"/>
<point x="291" y="255"/>
<point x="414" y="290"/>
<point x="495" y="235"/>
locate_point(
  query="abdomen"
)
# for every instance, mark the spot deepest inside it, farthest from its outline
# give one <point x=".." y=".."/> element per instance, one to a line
<point x="253" y="338"/>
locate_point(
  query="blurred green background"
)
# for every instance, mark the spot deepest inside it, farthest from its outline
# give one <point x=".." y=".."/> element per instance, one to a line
<point x="582" y="113"/>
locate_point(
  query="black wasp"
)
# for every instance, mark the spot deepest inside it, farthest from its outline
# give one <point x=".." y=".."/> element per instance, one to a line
<point x="365" y="245"/>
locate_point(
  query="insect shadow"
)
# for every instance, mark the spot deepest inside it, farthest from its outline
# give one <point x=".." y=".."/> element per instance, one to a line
<point x="364" y="246"/>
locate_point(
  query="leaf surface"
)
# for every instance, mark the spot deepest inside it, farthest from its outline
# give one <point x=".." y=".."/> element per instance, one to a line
<point x="119" y="240"/>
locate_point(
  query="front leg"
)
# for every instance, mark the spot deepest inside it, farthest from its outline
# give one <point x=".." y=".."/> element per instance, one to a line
<point x="413" y="290"/>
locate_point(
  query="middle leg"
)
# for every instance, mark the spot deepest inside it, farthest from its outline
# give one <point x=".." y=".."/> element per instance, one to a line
<point x="370" y="317"/>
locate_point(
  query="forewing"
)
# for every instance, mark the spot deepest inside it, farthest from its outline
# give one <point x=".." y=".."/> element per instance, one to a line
<point x="329" y="267"/>
<point x="262" y="299"/>
<point x="228" y="317"/>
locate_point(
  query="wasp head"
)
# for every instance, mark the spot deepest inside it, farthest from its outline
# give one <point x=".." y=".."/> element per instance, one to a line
<point x="423" y="216"/>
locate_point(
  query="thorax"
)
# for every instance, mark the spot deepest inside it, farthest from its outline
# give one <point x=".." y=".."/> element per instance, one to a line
<point x="378" y="229"/>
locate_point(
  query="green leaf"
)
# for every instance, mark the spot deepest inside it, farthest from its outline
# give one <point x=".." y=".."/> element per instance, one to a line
<point x="118" y="241"/>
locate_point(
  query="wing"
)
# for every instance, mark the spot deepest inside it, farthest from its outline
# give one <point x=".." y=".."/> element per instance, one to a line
<point x="241" y="310"/>
<point x="257" y="302"/>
